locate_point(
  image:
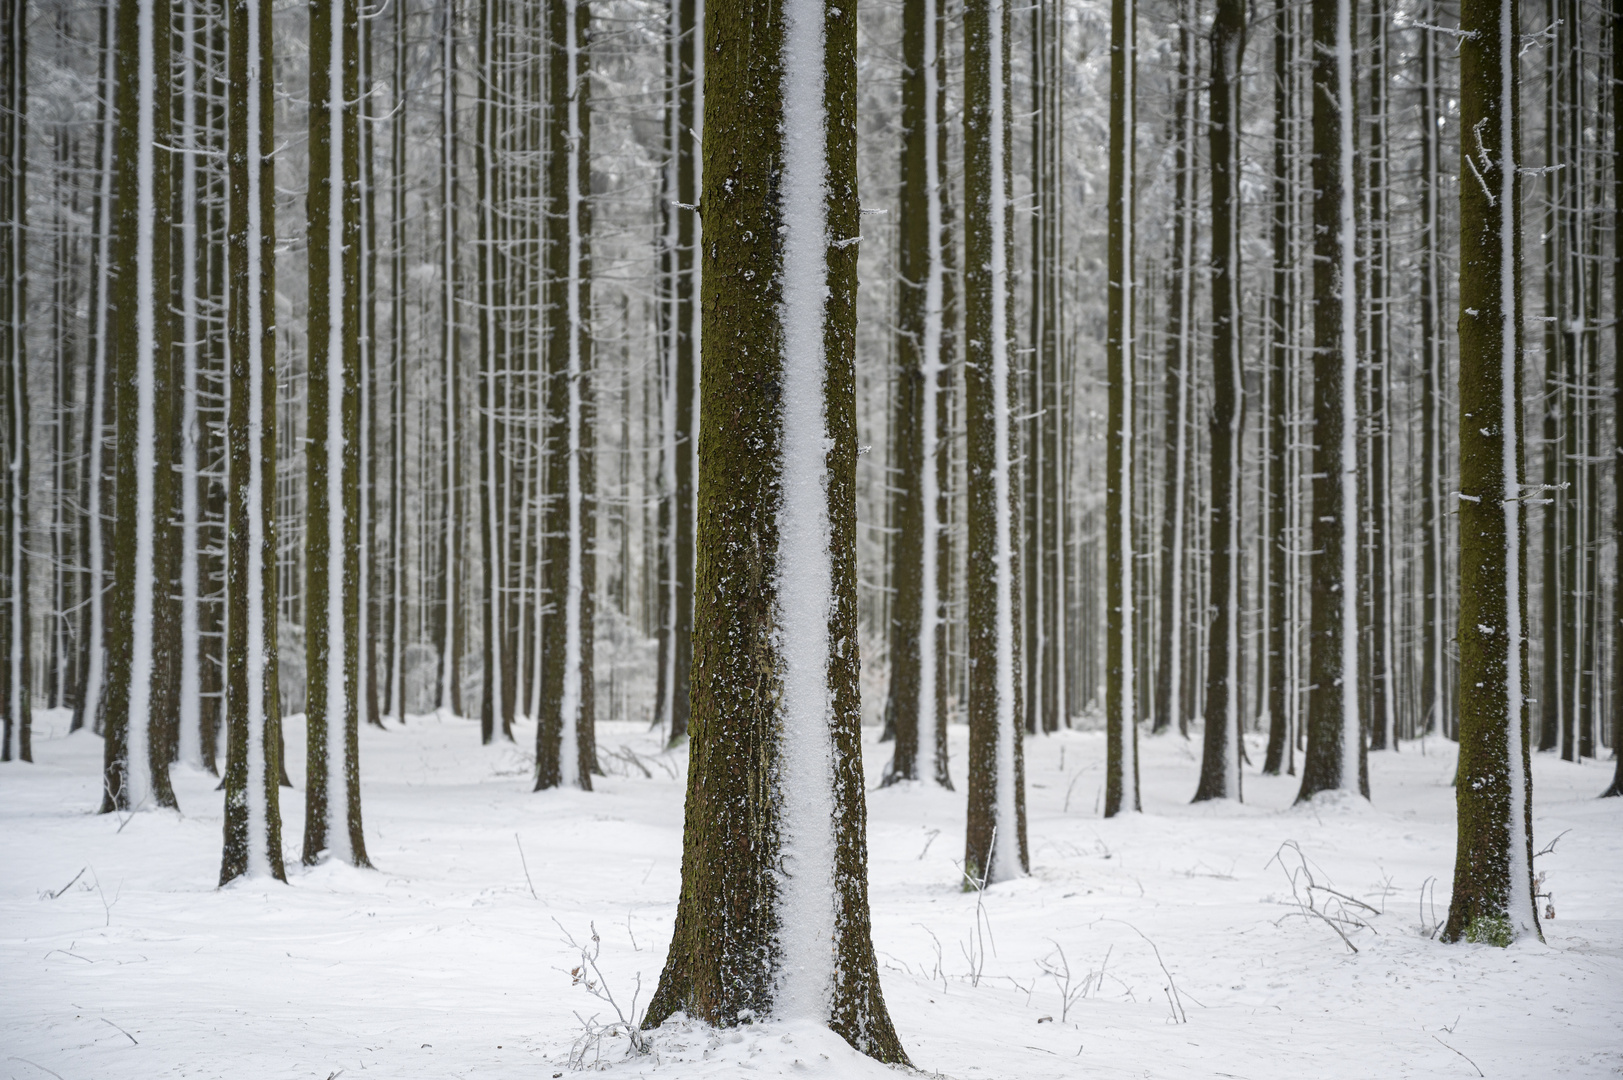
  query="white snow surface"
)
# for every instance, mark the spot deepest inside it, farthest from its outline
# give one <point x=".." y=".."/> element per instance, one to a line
<point x="440" y="963"/>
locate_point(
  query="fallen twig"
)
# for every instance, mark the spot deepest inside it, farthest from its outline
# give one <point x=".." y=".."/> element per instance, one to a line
<point x="1472" y="1063"/>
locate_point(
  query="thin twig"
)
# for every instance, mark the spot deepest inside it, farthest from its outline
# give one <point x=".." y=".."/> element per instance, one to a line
<point x="1473" y="1064"/>
<point x="127" y="1035"/>
<point x="69" y="885"/>
<point x="36" y="1065"/>
<point x="525" y="863"/>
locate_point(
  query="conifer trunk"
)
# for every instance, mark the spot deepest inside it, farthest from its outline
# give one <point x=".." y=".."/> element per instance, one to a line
<point x="332" y="455"/>
<point x="136" y="762"/>
<point x="15" y="689"/>
<point x="1281" y="326"/>
<point x="253" y="821"/>
<point x="1220" y="761"/>
<point x="1335" y="745"/>
<point x="1121" y="621"/>
<point x="1493" y="867"/>
<point x="773" y="918"/>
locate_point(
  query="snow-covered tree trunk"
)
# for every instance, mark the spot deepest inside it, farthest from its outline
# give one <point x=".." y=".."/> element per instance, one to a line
<point x="566" y="750"/>
<point x="1435" y="714"/>
<point x="15" y="681"/>
<point x="253" y="821"/>
<point x="1616" y="16"/>
<point x="190" y="321"/>
<point x="916" y="622"/>
<point x="449" y="621"/>
<point x="1493" y="898"/>
<point x="995" y="839"/>
<point x="136" y="761"/>
<point x="1220" y="761"/>
<point x="1279" y="329"/>
<point x="1335" y="757"/>
<point x="773" y="918"/>
<point x="1180" y="354"/>
<point x="332" y="455"/>
<point x="1121" y="620"/>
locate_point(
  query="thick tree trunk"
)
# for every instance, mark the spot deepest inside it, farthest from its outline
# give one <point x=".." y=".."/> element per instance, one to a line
<point x="775" y="771"/>
<point x="253" y="821"/>
<point x="1281" y="337"/>
<point x="1493" y="867"/>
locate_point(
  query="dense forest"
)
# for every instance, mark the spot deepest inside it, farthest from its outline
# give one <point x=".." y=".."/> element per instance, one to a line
<point x="1181" y="369"/>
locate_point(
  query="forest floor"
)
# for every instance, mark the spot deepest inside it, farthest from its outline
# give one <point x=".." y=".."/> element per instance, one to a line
<point x="1200" y="940"/>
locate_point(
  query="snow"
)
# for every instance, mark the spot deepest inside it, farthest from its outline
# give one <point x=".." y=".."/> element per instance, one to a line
<point x="440" y="963"/>
<point x="805" y="565"/>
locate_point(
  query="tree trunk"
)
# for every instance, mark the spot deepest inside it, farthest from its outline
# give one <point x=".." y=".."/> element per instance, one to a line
<point x="1493" y="868"/>
<point x="253" y="820"/>
<point x="136" y="761"/>
<point x="566" y="750"/>
<point x="1335" y="744"/>
<point x="1220" y="760"/>
<point x="1121" y="622"/>
<point x="332" y="454"/>
<point x="15" y="681"/>
<point x="775" y="771"/>
<point x="996" y="769"/>
<point x="1281" y="337"/>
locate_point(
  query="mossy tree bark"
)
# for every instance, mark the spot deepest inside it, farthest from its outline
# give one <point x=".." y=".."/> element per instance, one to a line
<point x="1220" y="759"/>
<point x="14" y="637"/>
<point x="1336" y="758"/>
<point x="995" y="839"/>
<point x="253" y="820"/>
<point x="773" y="916"/>
<point x="136" y="766"/>
<point x="1435" y="711"/>
<point x="1493" y="865"/>
<point x="332" y="455"/>
<point x="566" y="747"/>
<point x="1121" y="690"/>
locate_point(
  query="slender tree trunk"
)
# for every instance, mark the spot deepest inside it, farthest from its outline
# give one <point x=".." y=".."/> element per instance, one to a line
<point x="996" y="769"/>
<point x="1335" y="743"/>
<point x="1121" y="621"/>
<point x="777" y="776"/>
<point x="566" y="751"/>
<point x="1281" y="339"/>
<point x="1493" y="868"/>
<point x="1434" y="629"/>
<point x="449" y="628"/>
<point x="1169" y="669"/>
<point x="136" y="759"/>
<point x="1616" y="16"/>
<point x="1383" y="682"/>
<point x="1220" y="761"/>
<point x="332" y="454"/>
<point x="253" y="821"/>
<point x="15" y="681"/>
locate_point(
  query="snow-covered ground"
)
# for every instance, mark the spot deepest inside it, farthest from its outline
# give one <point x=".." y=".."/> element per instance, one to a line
<point x="1189" y="948"/>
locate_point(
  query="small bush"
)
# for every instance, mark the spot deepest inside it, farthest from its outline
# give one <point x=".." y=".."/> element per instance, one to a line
<point x="1493" y="930"/>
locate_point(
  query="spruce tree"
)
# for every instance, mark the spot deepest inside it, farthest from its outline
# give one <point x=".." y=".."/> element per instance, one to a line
<point x="1336" y="758"/>
<point x="1493" y="898"/>
<point x="1616" y="788"/>
<point x="15" y="690"/>
<point x="1220" y="761"/>
<point x="773" y="916"/>
<point x="253" y="821"/>
<point x="136" y="769"/>
<point x="566" y="747"/>
<point x="1121" y="631"/>
<point x="332" y="817"/>
<point x="995" y="839"/>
